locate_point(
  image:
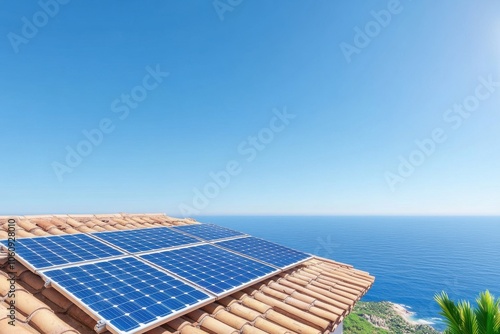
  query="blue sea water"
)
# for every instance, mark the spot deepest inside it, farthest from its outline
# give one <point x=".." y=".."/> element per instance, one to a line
<point x="412" y="258"/>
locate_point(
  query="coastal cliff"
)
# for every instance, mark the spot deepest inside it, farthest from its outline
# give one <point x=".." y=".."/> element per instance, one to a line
<point x="383" y="318"/>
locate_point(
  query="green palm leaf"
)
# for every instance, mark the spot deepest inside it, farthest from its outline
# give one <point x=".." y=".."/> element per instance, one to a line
<point x="461" y="318"/>
<point x="488" y="313"/>
<point x="469" y="320"/>
<point x="450" y="312"/>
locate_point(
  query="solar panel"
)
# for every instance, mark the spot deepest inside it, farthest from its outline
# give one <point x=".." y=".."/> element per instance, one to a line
<point x="131" y="295"/>
<point x="208" y="231"/>
<point x="146" y="239"/>
<point x="43" y="252"/>
<point x="265" y="251"/>
<point x="210" y="267"/>
<point x="127" y="293"/>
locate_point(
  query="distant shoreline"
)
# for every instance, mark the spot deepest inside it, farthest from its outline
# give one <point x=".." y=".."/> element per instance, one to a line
<point x="385" y="317"/>
<point x="407" y="315"/>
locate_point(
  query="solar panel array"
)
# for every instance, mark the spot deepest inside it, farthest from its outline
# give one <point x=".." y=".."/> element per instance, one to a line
<point x="212" y="268"/>
<point x="140" y="240"/>
<point x="134" y="279"/>
<point x="266" y="251"/>
<point x="208" y="232"/>
<point x="127" y="292"/>
<point x="43" y="252"/>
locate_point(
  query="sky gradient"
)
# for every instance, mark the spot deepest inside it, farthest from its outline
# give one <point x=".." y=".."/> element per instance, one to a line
<point x="256" y="108"/>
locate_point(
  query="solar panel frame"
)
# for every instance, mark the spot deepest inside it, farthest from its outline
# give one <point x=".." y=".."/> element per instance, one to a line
<point x="167" y="259"/>
<point x="40" y="259"/>
<point x="268" y="253"/>
<point x="200" y="231"/>
<point x="98" y="316"/>
<point x="143" y="240"/>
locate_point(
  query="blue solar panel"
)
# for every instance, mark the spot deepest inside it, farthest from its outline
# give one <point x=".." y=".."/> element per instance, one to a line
<point x="43" y="252"/>
<point x="208" y="231"/>
<point x="127" y="293"/>
<point x="210" y="267"/>
<point x="146" y="239"/>
<point x="265" y="251"/>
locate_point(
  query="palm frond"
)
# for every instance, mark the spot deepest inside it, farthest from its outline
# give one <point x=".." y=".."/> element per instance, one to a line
<point x="487" y="313"/>
<point x="450" y="312"/>
<point x="461" y="318"/>
<point x="469" y="321"/>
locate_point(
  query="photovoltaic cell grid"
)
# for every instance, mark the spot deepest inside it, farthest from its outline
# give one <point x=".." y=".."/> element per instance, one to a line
<point x="210" y="267"/>
<point x="146" y="239"/>
<point x="209" y="231"/>
<point x="265" y="251"/>
<point x="127" y="292"/>
<point x="43" y="252"/>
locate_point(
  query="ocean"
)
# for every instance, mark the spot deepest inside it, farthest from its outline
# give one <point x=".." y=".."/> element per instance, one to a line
<point x="412" y="258"/>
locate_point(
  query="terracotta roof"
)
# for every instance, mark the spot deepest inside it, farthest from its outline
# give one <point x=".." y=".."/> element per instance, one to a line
<point x="313" y="297"/>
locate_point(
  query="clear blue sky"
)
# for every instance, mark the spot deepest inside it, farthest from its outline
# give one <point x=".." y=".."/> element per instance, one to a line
<point x="352" y="120"/>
